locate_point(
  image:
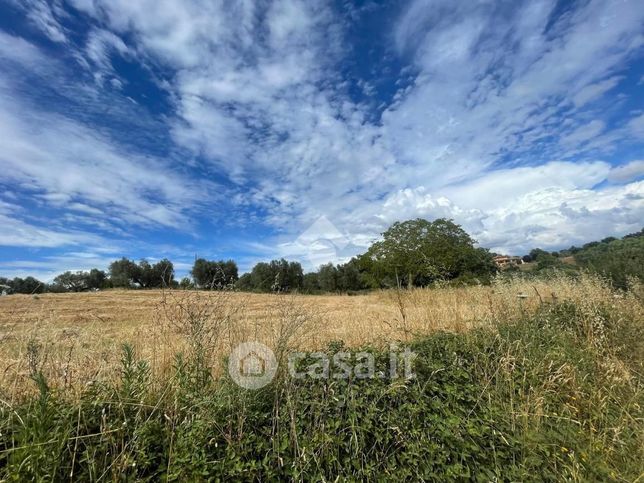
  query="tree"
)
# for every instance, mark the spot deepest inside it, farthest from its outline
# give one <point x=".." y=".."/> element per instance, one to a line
<point x="310" y="283"/>
<point x="335" y="278"/>
<point x="544" y="259"/>
<point x="201" y="272"/>
<point x="213" y="274"/>
<point x="615" y="259"/>
<point x="244" y="283"/>
<point x="144" y="276"/>
<point x="124" y="273"/>
<point x="231" y="272"/>
<point x="262" y="277"/>
<point x="369" y="270"/>
<point x="96" y="279"/>
<point x="635" y="235"/>
<point x="79" y="281"/>
<point x="276" y="276"/>
<point x="71" y="282"/>
<point x="328" y="278"/>
<point x="296" y="275"/>
<point x="186" y="283"/>
<point x="349" y="276"/>
<point x="418" y="252"/>
<point x="287" y="276"/>
<point x="162" y="274"/>
<point x="28" y="285"/>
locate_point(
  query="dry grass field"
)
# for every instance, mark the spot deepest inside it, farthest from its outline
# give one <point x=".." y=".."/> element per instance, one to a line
<point x="550" y="387"/>
<point x="76" y="338"/>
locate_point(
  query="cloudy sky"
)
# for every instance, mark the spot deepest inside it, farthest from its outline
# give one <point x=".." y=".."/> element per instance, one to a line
<point x="227" y="129"/>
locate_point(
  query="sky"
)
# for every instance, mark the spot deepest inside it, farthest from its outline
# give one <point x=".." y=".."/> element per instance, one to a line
<point x="254" y="130"/>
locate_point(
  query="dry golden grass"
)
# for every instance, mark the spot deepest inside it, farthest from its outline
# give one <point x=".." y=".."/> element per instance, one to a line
<point x="75" y="339"/>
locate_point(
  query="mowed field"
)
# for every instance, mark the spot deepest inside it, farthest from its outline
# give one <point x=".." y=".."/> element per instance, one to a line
<point x="76" y="338"/>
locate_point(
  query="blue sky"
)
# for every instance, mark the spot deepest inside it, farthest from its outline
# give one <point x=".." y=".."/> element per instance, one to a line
<point x="226" y="129"/>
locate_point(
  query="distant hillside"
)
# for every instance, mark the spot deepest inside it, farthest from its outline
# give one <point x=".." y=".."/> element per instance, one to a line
<point x="617" y="259"/>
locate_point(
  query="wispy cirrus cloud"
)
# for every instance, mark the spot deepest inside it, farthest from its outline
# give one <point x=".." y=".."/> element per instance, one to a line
<point x="44" y="16"/>
<point x="16" y="232"/>
<point x="88" y="167"/>
<point x="500" y="82"/>
<point x="75" y="165"/>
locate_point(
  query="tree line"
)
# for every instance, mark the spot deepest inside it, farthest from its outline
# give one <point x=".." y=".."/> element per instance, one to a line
<point x="123" y="273"/>
<point x="618" y="260"/>
<point x="411" y="253"/>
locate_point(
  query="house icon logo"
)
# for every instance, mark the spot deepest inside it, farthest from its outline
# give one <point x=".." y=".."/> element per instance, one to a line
<point x="252" y="365"/>
<point x="322" y="242"/>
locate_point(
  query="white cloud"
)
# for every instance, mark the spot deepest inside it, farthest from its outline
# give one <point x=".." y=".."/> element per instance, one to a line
<point x="510" y="210"/>
<point x="70" y="165"/>
<point x="582" y="134"/>
<point x="508" y="92"/>
<point x="101" y="44"/>
<point x="547" y="216"/>
<point x="43" y="16"/>
<point x="554" y="218"/>
<point x="254" y="104"/>
<point x="594" y="91"/>
<point x="18" y="233"/>
<point x="636" y="126"/>
<point x="17" y="49"/>
<point x="89" y="167"/>
<point x="627" y="172"/>
<point x="505" y="186"/>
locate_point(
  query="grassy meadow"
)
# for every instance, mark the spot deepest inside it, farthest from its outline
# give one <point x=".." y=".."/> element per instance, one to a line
<point x="535" y="379"/>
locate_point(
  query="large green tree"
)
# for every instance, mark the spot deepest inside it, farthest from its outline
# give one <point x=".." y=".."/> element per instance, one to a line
<point x="418" y="252"/>
<point x="95" y="278"/>
<point x="71" y="281"/>
<point x="340" y="278"/>
<point x="162" y="274"/>
<point x="126" y="273"/>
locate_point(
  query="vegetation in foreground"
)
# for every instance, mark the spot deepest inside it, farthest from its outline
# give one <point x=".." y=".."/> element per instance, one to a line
<point x="553" y="395"/>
